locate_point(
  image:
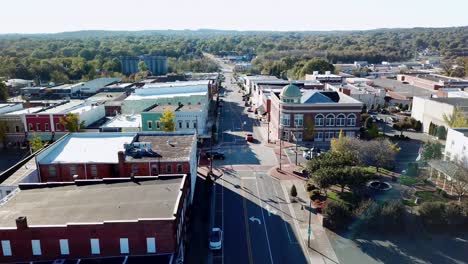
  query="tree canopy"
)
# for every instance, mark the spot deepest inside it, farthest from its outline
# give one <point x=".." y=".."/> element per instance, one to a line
<point x="167" y="120"/>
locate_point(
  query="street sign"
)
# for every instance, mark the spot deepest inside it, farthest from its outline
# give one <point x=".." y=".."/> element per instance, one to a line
<point x="310" y="231"/>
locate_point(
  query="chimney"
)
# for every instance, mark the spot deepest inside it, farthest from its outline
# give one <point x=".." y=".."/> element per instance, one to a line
<point x="121" y="156"/>
<point x="21" y="223"/>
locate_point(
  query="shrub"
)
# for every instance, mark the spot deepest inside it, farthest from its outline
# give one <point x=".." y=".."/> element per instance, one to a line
<point x="432" y="213"/>
<point x="337" y="214"/>
<point x="293" y="191"/>
<point x="315" y="195"/>
<point x="454" y="214"/>
<point x="380" y="218"/>
<point x="310" y="186"/>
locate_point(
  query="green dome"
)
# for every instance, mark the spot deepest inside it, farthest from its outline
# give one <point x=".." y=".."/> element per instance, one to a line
<point x="291" y="91"/>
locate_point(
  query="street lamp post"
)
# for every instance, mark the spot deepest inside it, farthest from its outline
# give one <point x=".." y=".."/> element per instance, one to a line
<point x="280" y="126"/>
<point x="309" y="232"/>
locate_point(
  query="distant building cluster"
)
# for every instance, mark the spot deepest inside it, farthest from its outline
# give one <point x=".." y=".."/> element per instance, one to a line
<point x="157" y="65"/>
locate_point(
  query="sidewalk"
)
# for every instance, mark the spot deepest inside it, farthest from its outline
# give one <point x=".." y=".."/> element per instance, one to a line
<point x="320" y="250"/>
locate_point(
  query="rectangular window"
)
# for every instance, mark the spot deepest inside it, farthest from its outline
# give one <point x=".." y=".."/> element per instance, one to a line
<point x="6" y="248"/>
<point x="158" y="125"/>
<point x="150" y="125"/>
<point x="285" y="120"/>
<point x="31" y="128"/>
<point x="154" y="169"/>
<point x="350" y="134"/>
<point x="64" y="249"/>
<point x="46" y="127"/>
<point x="179" y="168"/>
<point x="38" y="127"/>
<point x="194" y="124"/>
<point x="169" y="168"/>
<point x="94" y="173"/>
<point x="298" y="136"/>
<point x="134" y="169"/>
<point x="52" y="171"/>
<point x="57" y="127"/>
<point x="36" y="247"/>
<point x="124" y="246"/>
<point x="298" y="120"/>
<point x="95" y="246"/>
<point x="187" y="124"/>
<point x="151" y="245"/>
<point x="17" y="129"/>
<point x="318" y="136"/>
<point x="329" y="135"/>
<point x="180" y="124"/>
<point x="72" y="170"/>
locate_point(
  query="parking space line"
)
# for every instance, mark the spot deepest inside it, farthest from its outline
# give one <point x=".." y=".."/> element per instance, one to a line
<point x="282" y="216"/>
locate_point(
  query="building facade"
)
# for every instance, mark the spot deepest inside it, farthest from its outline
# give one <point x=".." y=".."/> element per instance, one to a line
<point x="103" y="218"/>
<point x="293" y="112"/>
<point x="156" y="64"/>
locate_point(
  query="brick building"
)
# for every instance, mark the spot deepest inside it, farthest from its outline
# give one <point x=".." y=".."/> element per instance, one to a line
<point x="329" y="112"/>
<point x="96" y="219"/>
<point x="86" y="156"/>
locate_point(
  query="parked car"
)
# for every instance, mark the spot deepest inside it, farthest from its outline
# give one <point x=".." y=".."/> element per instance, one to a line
<point x="222" y="94"/>
<point x="216" y="238"/>
<point x="311" y="153"/>
<point x="214" y="155"/>
<point x="249" y="137"/>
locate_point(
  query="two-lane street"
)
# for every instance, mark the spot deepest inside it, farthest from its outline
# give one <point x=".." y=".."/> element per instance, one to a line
<point x="250" y="207"/>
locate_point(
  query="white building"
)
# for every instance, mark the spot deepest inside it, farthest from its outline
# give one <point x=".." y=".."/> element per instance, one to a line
<point x="122" y="123"/>
<point x="432" y="110"/>
<point x="7" y="108"/>
<point x="368" y="95"/>
<point x="456" y="145"/>
<point x="328" y="77"/>
<point x="249" y="81"/>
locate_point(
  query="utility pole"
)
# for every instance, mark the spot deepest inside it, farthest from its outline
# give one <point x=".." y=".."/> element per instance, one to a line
<point x="281" y="134"/>
<point x="268" y="134"/>
<point x="309" y="232"/>
<point x="211" y="151"/>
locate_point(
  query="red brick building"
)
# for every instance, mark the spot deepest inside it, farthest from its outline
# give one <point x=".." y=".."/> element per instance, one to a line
<point x="85" y="156"/>
<point x="292" y="111"/>
<point x="94" y="219"/>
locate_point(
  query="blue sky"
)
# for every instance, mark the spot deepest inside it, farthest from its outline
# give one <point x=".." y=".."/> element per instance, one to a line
<point x="34" y="16"/>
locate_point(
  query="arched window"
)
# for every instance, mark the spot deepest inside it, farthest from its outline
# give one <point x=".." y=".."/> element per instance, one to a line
<point x="319" y="120"/>
<point x="330" y="120"/>
<point x="341" y="120"/>
<point x="352" y="120"/>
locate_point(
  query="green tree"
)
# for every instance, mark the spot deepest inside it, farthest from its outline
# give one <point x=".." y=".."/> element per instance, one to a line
<point x="36" y="143"/>
<point x="432" y="150"/>
<point x="167" y="120"/>
<point x="379" y="153"/>
<point x="72" y="123"/>
<point x="309" y="128"/>
<point x="293" y="192"/>
<point x="441" y="132"/>
<point x="3" y="91"/>
<point x="142" y="67"/>
<point x="316" y="64"/>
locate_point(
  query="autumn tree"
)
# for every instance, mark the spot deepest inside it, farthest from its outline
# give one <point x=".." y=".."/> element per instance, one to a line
<point x="36" y="143"/>
<point x="167" y="120"/>
<point x="460" y="181"/>
<point x="379" y="153"/>
<point x="72" y="123"/>
<point x="456" y="119"/>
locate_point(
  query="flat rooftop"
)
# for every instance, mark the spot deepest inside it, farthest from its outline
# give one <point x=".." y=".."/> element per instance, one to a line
<point x="168" y="146"/>
<point x="27" y="170"/>
<point x="120" y="121"/>
<point x="176" y="84"/>
<point x="105" y="97"/>
<point x="86" y="147"/>
<point x="455" y="101"/>
<point x="402" y="89"/>
<point x="94" y="202"/>
<point x="136" y="97"/>
<point x="177" y="108"/>
<point x="63" y="108"/>
<point x="30" y="110"/>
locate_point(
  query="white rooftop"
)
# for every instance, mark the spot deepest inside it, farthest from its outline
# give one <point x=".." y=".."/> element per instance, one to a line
<point x="158" y="96"/>
<point x="64" y="108"/>
<point x="126" y="121"/>
<point x="177" y="84"/>
<point x="84" y="147"/>
<point x="30" y="110"/>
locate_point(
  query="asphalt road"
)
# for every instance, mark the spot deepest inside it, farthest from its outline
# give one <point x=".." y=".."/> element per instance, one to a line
<point x="250" y="206"/>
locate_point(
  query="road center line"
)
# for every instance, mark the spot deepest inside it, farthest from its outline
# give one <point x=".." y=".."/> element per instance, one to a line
<point x="247" y="228"/>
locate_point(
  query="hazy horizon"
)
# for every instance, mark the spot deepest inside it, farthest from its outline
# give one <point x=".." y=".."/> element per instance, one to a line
<point x="55" y="16"/>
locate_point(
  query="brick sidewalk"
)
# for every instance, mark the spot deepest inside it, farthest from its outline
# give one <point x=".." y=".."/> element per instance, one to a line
<point x="320" y="249"/>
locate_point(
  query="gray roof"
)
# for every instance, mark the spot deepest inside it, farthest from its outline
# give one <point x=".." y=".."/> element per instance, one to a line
<point x="96" y="201"/>
<point x="455" y="101"/>
<point x="176" y="108"/>
<point x="403" y="89"/>
<point x="101" y="82"/>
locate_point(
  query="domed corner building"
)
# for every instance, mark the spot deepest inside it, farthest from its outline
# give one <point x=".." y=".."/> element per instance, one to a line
<point x="312" y="115"/>
<point x="291" y="94"/>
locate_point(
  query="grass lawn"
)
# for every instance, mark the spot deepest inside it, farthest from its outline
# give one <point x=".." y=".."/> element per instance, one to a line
<point x="373" y="169"/>
<point x="428" y="196"/>
<point x="344" y="197"/>
<point x="408" y="202"/>
<point x="408" y="181"/>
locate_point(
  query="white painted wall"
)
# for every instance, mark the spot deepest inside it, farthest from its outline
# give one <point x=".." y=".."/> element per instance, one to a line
<point x="427" y="111"/>
<point x="456" y="146"/>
